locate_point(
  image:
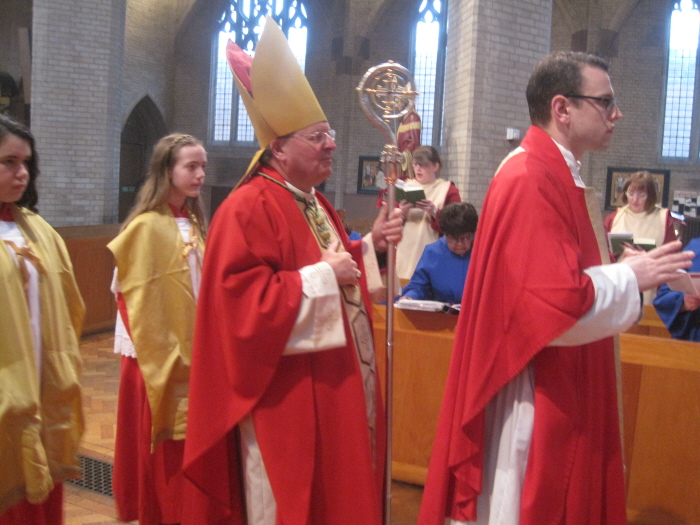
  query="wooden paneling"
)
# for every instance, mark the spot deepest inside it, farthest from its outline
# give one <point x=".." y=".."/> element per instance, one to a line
<point x="661" y="403"/>
<point x="650" y="324"/>
<point x="93" y="265"/>
<point x="631" y="381"/>
<point x="664" y="460"/>
<point x="422" y="349"/>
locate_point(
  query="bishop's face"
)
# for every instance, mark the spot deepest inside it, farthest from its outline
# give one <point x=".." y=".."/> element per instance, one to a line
<point x="306" y="156"/>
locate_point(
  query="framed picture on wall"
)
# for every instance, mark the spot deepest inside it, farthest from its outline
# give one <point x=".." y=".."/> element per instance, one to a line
<point x="616" y="180"/>
<point x="370" y="178"/>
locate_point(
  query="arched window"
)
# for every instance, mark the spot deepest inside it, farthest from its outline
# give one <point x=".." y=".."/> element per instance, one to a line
<point x="681" y="133"/>
<point x="242" y="22"/>
<point x="429" y="44"/>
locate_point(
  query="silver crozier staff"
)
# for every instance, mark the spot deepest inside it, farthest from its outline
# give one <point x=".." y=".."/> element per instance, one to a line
<point x="386" y="96"/>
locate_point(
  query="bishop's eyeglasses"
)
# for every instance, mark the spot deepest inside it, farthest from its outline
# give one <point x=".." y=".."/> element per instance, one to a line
<point x="317" y="138"/>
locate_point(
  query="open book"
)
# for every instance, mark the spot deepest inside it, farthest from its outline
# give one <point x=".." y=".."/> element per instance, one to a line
<point x="617" y="241"/>
<point x="427" y="306"/>
<point x="689" y="283"/>
<point x="409" y="192"/>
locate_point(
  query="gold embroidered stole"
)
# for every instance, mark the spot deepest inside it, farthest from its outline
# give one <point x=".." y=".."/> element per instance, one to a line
<point x="354" y="306"/>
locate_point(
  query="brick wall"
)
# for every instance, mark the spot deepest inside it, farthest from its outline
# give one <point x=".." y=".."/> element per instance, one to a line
<point x="93" y="60"/>
<point x="148" y="56"/>
<point x="492" y="49"/>
<point x="76" y="76"/>
<point x="638" y="77"/>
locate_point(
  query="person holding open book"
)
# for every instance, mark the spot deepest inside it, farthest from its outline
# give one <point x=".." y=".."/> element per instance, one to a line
<point x="421" y="217"/>
<point x="642" y="217"/>
<point x="680" y="311"/>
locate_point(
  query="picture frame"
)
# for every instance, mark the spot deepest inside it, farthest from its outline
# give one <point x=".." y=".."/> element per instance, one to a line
<point x="616" y="179"/>
<point x="370" y="178"/>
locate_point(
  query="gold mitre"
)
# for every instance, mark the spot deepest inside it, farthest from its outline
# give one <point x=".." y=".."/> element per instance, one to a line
<point x="276" y="94"/>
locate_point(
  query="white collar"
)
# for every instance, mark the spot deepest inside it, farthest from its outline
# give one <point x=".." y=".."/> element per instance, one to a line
<point x="306" y="196"/>
<point x="574" y="165"/>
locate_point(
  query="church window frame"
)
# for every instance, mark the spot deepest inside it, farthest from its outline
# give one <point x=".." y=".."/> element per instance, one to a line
<point x="680" y="126"/>
<point x="243" y="22"/>
<point x="428" y="66"/>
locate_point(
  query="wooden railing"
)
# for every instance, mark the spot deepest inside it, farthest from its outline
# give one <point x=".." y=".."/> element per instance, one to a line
<point x="661" y="406"/>
<point x="661" y="403"/>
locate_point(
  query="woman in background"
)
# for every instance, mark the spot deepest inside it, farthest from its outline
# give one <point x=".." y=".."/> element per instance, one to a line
<point x="421" y="220"/>
<point x="158" y="265"/>
<point x="41" y="311"/>
<point x="641" y="215"/>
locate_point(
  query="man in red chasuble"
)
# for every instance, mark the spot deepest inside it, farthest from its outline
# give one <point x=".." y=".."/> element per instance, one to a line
<point x="285" y="413"/>
<point x="529" y="431"/>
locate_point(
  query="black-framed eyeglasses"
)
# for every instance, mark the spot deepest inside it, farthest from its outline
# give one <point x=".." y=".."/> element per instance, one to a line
<point x="609" y="103"/>
<point x="317" y="138"/>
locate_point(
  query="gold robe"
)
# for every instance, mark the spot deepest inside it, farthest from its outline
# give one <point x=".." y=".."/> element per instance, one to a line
<point x="41" y="420"/>
<point x="154" y="278"/>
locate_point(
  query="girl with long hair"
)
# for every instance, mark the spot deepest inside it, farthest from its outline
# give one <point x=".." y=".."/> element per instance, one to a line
<point x="158" y="257"/>
<point x="41" y="311"/>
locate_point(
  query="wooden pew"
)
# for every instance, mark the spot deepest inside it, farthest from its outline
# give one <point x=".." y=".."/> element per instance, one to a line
<point x="422" y="349"/>
<point x="650" y="324"/>
<point x="93" y="265"/>
<point x="661" y="403"/>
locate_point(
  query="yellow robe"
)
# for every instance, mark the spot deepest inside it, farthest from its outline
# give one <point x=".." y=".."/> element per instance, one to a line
<point x="40" y="424"/>
<point x="417" y="231"/>
<point x="154" y="278"/>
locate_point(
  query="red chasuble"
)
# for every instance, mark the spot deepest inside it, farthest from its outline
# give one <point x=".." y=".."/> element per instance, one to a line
<point x="526" y="287"/>
<point x="308" y="409"/>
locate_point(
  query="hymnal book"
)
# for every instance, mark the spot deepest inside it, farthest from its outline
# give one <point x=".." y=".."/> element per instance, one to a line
<point x="689" y="283"/>
<point x="617" y="241"/>
<point x="427" y="306"/>
<point x="409" y="192"/>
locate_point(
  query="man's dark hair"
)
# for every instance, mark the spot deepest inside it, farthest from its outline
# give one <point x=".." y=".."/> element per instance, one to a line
<point x="557" y="74"/>
<point x="458" y="218"/>
<point x="8" y="127"/>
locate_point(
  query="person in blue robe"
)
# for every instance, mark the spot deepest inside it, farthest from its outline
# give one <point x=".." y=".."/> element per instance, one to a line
<point x="679" y="311"/>
<point x="442" y="268"/>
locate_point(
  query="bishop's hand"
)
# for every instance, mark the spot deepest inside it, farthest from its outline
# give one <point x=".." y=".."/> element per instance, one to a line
<point x="342" y="264"/>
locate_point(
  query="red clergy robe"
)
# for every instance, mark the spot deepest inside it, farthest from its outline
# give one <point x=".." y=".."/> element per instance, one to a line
<point x="526" y="287"/>
<point x="308" y="409"/>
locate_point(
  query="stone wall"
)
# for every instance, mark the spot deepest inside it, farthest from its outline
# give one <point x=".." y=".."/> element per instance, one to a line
<point x="77" y="57"/>
<point x="93" y="61"/>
